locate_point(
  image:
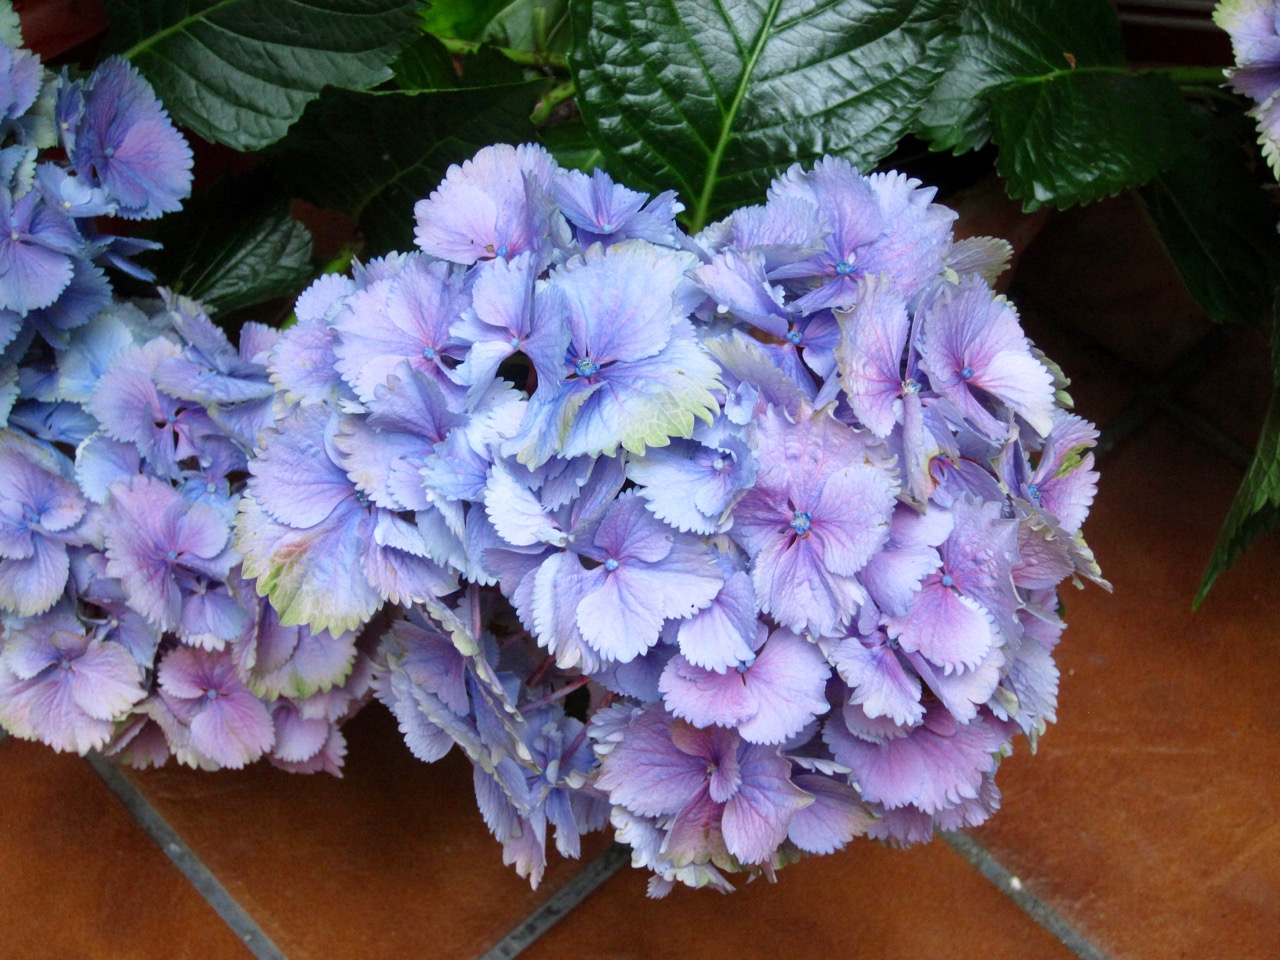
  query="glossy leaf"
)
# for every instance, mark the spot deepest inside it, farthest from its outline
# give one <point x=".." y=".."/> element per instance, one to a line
<point x="714" y="100"/>
<point x="375" y="156"/>
<point x="240" y="72"/>
<point x="528" y="25"/>
<point x="572" y="146"/>
<point x="427" y="65"/>
<point x="1214" y="222"/>
<point x="1007" y="40"/>
<point x="1073" y="136"/>
<point x="1256" y="508"/>
<point x="234" y="247"/>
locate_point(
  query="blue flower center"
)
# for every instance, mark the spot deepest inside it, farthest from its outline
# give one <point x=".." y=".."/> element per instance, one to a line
<point x="429" y="353"/>
<point x="362" y="498"/>
<point x="966" y="372"/>
<point x="717" y="464"/>
<point x="801" y="522"/>
<point x="109" y="152"/>
<point x="15" y="236"/>
<point x="611" y="564"/>
<point x="64" y="663"/>
<point x="585" y="366"/>
<point x="171" y="554"/>
<point x="844" y="267"/>
<point x="1034" y="492"/>
<point x="947" y="581"/>
<point x="608" y="227"/>
<point x="910" y="386"/>
<point x="212" y="694"/>
<point x="794" y="336"/>
<point x="503" y="251"/>
<point x="514" y="343"/>
<point x="32" y="515"/>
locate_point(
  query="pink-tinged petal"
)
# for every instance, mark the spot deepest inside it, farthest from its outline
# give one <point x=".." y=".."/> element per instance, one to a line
<point x="1044" y="558"/>
<point x="851" y="517"/>
<point x="756" y="818"/>
<point x="952" y="630"/>
<point x="878" y="681"/>
<point x="718" y="637"/>
<point x="926" y="769"/>
<point x="789" y="680"/>
<point x="302" y="362"/>
<point x="31" y="586"/>
<point x="105" y="681"/>
<point x="294" y="479"/>
<point x="869" y="356"/>
<point x="963" y="691"/>
<point x="835" y="817"/>
<point x="695" y="835"/>
<point x="233" y="730"/>
<point x="792" y="586"/>
<point x="646" y="773"/>
<point x="297" y="739"/>
<point x="705" y="698"/>
<point x="312" y="576"/>
<point x="45" y="709"/>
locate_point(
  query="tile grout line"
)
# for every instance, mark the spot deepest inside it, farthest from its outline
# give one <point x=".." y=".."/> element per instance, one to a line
<point x="185" y="859"/>
<point x="1011" y="886"/>
<point x="564" y="900"/>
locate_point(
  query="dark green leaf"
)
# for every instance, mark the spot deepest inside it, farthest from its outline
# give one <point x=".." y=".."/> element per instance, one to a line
<point x="1080" y="135"/>
<point x="1216" y="223"/>
<point x="715" y="99"/>
<point x="425" y="65"/>
<point x="374" y="156"/>
<point x="240" y="72"/>
<point x="539" y="26"/>
<point x="1256" y="508"/>
<point x="572" y="146"/>
<point x="235" y="247"/>
<point x="1005" y="40"/>
<point x="464" y="19"/>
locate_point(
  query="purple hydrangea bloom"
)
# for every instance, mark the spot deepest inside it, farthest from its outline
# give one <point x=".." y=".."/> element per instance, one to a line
<point x="63" y="684"/>
<point x="226" y="722"/>
<point x="495" y="205"/>
<point x="166" y="551"/>
<point x="125" y="143"/>
<point x="724" y="796"/>
<point x="38" y="247"/>
<point x="39" y="511"/>
<point x="819" y="510"/>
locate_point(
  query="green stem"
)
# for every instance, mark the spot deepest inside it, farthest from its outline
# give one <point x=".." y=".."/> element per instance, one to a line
<point x="550" y="100"/>
<point x="1191" y="76"/>
<point x="528" y="58"/>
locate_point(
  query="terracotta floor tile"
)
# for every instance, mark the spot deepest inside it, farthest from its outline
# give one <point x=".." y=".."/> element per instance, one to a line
<point x="393" y="860"/>
<point x="1235" y="386"/>
<point x="1151" y="816"/>
<point x="867" y="902"/>
<point x="79" y="879"/>
<point x="1101" y="268"/>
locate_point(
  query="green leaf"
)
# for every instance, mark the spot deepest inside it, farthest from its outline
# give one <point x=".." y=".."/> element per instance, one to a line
<point x="240" y="72"/>
<point x="1079" y="135"/>
<point x="234" y="247"/>
<point x="715" y="99"/>
<point x="1256" y="508"/>
<point x="426" y="65"/>
<point x="1215" y="222"/>
<point x="1006" y="40"/>
<point x="373" y="156"/>
<point x="539" y="26"/>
